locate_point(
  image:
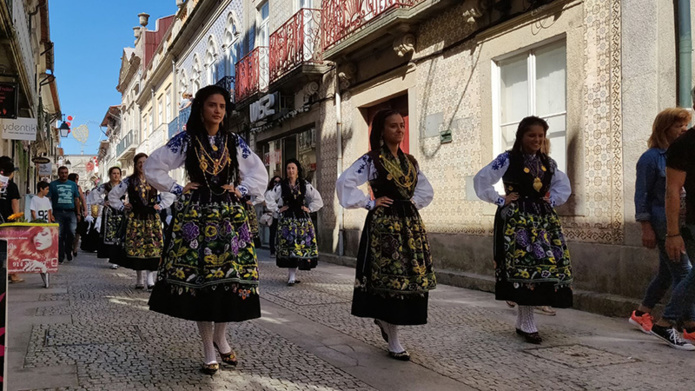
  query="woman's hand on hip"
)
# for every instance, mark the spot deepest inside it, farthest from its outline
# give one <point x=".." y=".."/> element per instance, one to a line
<point x="190" y="186"/>
<point x="383" y="201"/>
<point x="509" y="198"/>
<point x="304" y="208"/>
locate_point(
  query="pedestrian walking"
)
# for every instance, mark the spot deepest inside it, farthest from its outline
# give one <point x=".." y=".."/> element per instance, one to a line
<point x="40" y="206"/>
<point x="81" y="212"/>
<point x="293" y="199"/>
<point x="209" y="271"/>
<point x="110" y="225"/>
<point x="394" y="272"/>
<point x="650" y="212"/>
<point x="275" y="181"/>
<point x="143" y="242"/>
<point x="65" y="198"/>
<point x="9" y="199"/>
<point x="532" y="262"/>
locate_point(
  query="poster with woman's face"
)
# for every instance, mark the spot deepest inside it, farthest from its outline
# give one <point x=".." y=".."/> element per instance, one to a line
<point x="31" y="248"/>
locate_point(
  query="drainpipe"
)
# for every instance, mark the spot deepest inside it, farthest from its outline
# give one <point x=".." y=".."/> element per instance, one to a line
<point x="685" y="49"/>
<point x="339" y="161"/>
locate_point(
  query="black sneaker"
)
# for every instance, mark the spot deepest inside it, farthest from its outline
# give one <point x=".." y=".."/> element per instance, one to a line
<point x="672" y="337"/>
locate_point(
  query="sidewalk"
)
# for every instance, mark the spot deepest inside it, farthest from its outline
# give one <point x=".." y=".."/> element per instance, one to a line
<point x="92" y="331"/>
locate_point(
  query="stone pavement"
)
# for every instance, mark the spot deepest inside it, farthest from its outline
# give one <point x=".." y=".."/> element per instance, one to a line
<point x="90" y="330"/>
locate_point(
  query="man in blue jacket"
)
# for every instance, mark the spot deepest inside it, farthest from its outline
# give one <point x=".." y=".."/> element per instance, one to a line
<point x="64" y="197"/>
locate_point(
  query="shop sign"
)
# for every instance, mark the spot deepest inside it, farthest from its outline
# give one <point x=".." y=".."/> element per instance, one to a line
<point x="40" y="160"/>
<point x="19" y="129"/>
<point x="31" y="247"/>
<point x="263" y="108"/>
<point x="45" y="169"/>
<point x="8" y="100"/>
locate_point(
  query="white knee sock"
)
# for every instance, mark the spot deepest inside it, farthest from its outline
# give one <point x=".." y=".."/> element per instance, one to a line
<point x="392" y="331"/>
<point x="525" y="320"/>
<point x="206" y="333"/>
<point x="292" y="274"/>
<point x="220" y="337"/>
<point x="151" y="277"/>
<point x="140" y="274"/>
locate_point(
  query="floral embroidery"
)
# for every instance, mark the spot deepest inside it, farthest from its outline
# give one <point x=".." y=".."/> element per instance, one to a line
<point x="500" y="161"/>
<point x="178" y="143"/>
<point x="365" y="161"/>
<point x="143" y="237"/>
<point x="245" y="151"/>
<point x="296" y="238"/>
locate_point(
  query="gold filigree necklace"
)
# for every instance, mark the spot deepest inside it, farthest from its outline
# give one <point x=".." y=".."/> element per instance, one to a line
<point x="538" y="171"/>
<point x="209" y="164"/>
<point x="395" y="173"/>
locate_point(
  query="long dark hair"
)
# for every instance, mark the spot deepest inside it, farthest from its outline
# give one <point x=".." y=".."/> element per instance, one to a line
<point x="300" y="178"/>
<point x="73" y="177"/>
<point x="524" y="127"/>
<point x="271" y="184"/>
<point x="134" y="178"/>
<point x="376" y="138"/>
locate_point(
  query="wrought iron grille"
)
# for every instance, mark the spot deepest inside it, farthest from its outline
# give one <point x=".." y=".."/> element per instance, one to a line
<point x="178" y="124"/>
<point x="295" y="42"/>
<point x="252" y="73"/>
<point x="342" y="17"/>
<point x="227" y="82"/>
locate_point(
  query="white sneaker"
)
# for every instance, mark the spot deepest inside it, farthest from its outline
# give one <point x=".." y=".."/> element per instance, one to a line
<point x="672" y="337"/>
<point x="114" y="266"/>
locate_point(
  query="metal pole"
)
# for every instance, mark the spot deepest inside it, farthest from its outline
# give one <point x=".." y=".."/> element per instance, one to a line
<point x="685" y="49"/>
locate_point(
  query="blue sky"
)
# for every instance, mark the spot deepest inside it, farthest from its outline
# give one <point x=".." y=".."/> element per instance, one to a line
<point x="89" y="37"/>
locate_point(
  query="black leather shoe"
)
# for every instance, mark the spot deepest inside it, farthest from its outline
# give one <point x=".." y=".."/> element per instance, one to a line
<point x="401" y="356"/>
<point x="210" y="369"/>
<point x="533" y="338"/>
<point x="227" y="358"/>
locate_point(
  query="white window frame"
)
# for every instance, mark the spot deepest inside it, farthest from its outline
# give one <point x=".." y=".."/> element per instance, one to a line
<point x="262" y="25"/>
<point x="160" y="110"/>
<point x="167" y="105"/>
<point x="497" y="124"/>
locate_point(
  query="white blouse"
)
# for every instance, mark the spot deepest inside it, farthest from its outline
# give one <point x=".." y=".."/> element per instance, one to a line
<point x="164" y="199"/>
<point x="363" y="170"/>
<point x="98" y="195"/>
<point x="254" y="176"/>
<point x="484" y="182"/>
<point x="313" y="200"/>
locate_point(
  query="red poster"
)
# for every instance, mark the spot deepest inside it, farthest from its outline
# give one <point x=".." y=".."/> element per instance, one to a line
<point x="31" y="247"/>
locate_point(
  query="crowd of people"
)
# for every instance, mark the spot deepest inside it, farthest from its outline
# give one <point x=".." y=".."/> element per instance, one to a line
<point x="193" y="245"/>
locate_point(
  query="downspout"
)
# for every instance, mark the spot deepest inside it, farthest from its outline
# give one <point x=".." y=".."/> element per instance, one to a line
<point x="339" y="160"/>
<point x="685" y="49"/>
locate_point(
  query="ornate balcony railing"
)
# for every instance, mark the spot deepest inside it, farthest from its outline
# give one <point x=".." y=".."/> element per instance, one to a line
<point x="339" y="18"/>
<point x="295" y="42"/>
<point x="251" y="73"/>
<point x="178" y="124"/>
<point x="127" y="142"/>
<point x="227" y="82"/>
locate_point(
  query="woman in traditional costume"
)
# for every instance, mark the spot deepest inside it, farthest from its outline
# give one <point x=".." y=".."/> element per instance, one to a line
<point x="111" y="219"/>
<point x="394" y="271"/>
<point x="532" y="262"/>
<point x="209" y="271"/>
<point x="294" y="198"/>
<point x="274" y="181"/>
<point x="142" y="243"/>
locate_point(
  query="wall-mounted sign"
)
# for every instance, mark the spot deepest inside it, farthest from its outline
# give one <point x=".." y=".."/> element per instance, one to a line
<point x="263" y="108"/>
<point x="45" y="169"/>
<point x="19" y="129"/>
<point x="8" y="100"/>
<point x="40" y="160"/>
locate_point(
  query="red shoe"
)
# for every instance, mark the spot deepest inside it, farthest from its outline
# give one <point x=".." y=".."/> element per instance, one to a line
<point x="644" y="322"/>
<point x="689" y="337"/>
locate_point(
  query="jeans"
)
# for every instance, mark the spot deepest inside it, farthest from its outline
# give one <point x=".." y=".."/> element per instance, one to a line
<point x="67" y="223"/>
<point x="683" y="296"/>
<point x="669" y="273"/>
<point x="273" y="235"/>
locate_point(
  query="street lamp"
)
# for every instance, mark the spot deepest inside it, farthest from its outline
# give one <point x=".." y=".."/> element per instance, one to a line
<point x="64" y="128"/>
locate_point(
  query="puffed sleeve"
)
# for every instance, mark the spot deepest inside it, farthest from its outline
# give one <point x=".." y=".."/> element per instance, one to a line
<point x="560" y="188"/>
<point x="166" y="199"/>
<point x="168" y="157"/>
<point x="346" y="186"/>
<point x="272" y="198"/>
<point x="484" y="181"/>
<point x="96" y="196"/>
<point x="424" y="193"/>
<point x="254" y="175"/>
<point x="116" y="193"/>
<point x="313" y="198"/>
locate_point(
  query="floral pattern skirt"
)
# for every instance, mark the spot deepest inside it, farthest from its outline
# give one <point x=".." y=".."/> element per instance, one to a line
<point x="253" y="220"/>
<point x="394" y="272"/>
<point x="142" y="244"/>
<point x="532" y="262"/>
<point x="110" y="237"/>
<point x="296" y="242"/>
<point x="209" y="271"/>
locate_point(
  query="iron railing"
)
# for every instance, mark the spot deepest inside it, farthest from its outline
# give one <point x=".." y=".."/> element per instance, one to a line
<point x="339" y="18"/>
<point x="295" y="42"/>
<point x="126" y="142"/>
<point x="252" y="73"/>
<point x="227" y="82"/>
<point x="178" y="124"/>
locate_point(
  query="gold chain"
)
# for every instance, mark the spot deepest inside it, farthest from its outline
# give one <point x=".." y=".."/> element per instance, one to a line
<point x="217" y="164"/>
<point x="395" y="172"/>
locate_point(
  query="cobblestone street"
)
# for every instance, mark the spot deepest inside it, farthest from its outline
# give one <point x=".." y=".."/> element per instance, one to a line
<point x="92" y="331"/>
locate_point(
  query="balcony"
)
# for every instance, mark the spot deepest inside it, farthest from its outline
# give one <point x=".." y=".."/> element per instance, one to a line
<point x="341" y="18"/>
<point x="295" y="43"/>
<point x="126" y="146"/>
<point x="179" y="123"/>
<point x="158" y="137"/>
<point x="252" y="74"/>
<point x="227" y="82"/>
